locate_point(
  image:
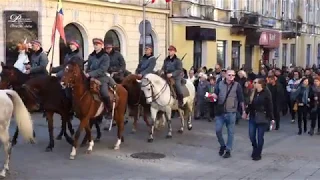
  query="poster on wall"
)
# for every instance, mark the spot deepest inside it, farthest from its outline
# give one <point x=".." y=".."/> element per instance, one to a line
<point x="19" y="26"/>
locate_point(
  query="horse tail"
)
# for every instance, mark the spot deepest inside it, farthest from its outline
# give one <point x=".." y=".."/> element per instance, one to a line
<point x="22" y="116"/>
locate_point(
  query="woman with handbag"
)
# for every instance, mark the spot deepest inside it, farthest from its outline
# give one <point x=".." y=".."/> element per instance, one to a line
<point x="260" y="110"/>
<point x="315" y="111"/>
<point x="304" y="97"/>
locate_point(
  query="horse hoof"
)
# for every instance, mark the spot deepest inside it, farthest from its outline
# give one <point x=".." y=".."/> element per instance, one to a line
<point x="169" y="136"/>
<point x="114" y="124"/>
<point x="59" y="138"/>
<point x="150" y="140"/>
<point x="97" y="140"/>
<point x="13" y="143"/>
<point x="190" y="128"/>
<point x="72" y="132"/>
<point x="133" y="131"/>
<point x="116" y="147"/>
<point x="180" y="131"/>
<point x="88" y="151"/>
<point x="49" y="149"/>
<point x="32" y="141"/>
<point x="71" y="157"/>
<point x="106" y="128"/>
<point x="126" y="122"/>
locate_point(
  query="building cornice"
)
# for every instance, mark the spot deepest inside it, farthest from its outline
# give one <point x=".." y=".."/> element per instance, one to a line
<point x="118" y="5"/>
<point x="192" y="22"/>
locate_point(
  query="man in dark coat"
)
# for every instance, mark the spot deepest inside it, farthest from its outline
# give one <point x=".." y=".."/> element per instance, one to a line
<point x="147" y="63"/>
<point x="98" y="65"/>
<point x="172" y="68"/>
<point x="73" y="54"/>
<point x="117" y="66"/>
<point x="38" y="62"/>
<point x="277" y="94"/>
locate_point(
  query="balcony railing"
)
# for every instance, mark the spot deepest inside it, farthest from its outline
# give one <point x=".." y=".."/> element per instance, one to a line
<point x="160" y="4"/>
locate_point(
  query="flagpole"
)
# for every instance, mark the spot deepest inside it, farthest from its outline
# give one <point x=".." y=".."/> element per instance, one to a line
<point x="144" y="24"/>
<point x="54" y="40"/>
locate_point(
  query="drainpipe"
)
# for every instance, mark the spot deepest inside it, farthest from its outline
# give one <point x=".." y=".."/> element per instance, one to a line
<point x="296" y="40"/>
<point x="169" y="27"/>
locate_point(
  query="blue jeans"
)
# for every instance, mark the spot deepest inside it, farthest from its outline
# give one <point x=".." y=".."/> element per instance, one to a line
<point x="256" y="134"/>
<point x="229" y="119"/>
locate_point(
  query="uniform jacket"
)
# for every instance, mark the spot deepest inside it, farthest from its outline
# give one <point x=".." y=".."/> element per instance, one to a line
<point x="146" y="65"/>
<point x="117" y="63"/>
<point x="173" y="66"/>
<point x="39" y="62"/>
<point x="98" y="65"/>
<point x="59" y="70"/>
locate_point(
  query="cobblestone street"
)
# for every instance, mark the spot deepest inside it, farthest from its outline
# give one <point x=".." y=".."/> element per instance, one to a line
<point x="192" y="155"/>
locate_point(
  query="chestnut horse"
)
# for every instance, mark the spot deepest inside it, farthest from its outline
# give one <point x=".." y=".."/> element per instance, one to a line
<point x="136" y="99"/>
<point x="86" y="106"/>
<point x="11" y="77"/>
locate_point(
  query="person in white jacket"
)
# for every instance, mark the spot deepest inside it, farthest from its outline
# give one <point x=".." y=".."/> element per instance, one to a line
<point x="22" y="58"/>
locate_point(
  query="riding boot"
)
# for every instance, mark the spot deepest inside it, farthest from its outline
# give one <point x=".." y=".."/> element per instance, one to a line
<point x="180" y="100"/>
<point x="106" y="101"/>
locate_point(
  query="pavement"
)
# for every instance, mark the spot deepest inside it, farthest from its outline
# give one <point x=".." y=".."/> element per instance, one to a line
<point x="189" y="156"/>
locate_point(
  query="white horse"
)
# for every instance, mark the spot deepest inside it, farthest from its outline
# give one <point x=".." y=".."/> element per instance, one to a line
<point x="158" y="94"/>
<point x="11" y="103"/>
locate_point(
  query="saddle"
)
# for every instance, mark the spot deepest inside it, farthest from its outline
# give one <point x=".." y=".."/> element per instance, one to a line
<point x="95" y="91"/>
<point x="184" y="89"/>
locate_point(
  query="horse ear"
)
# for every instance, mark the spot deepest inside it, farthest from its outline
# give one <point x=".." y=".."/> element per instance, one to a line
<point x="139" y="81"/>
<point x="2" y="63"/>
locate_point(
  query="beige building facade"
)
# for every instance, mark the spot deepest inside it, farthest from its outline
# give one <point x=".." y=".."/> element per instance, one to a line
<point x="114" y="21"/>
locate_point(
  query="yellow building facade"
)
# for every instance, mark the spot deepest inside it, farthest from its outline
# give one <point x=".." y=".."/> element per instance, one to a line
<point x="113" y="21"/>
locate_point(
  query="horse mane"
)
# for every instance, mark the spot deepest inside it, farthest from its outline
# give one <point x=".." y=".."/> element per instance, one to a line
<point x="83" y="77"/>
<point x="130" y="79"/>
<point x="20" y="75"/>
<point x="156" y="79"/>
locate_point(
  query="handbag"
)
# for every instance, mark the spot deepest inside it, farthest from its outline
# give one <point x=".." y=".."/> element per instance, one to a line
<point x="261" y="118"/>
<point x="220" y="109"/>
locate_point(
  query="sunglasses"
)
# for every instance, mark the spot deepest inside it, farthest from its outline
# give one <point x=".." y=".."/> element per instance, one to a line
<point x="231" y="75"/>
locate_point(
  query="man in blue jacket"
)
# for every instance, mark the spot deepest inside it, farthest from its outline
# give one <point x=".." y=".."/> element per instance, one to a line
<point x="147" y="63"/>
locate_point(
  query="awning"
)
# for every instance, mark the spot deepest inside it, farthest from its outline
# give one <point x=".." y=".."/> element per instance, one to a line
<point x="267" y="39"/>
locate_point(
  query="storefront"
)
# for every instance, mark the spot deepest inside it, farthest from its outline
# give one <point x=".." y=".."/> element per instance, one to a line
<point x="265" y="45"/>
<point x="116" y="23"/>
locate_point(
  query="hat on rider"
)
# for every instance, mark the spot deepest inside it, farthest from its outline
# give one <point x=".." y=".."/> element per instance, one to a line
<point x="172" y="48"/>
<point x="36" y="42"/>
<point x="75" y="43"/>
<point x="97" y="41"/>
<point x="148" y="47"/>
<point x="109" y="45"/>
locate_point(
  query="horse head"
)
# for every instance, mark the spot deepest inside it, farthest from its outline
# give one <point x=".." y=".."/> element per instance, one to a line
<point x="11" y="76"/>
<point x="72" y="73"/>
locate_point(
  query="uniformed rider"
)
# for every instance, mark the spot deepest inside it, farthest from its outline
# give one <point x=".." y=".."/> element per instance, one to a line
<point x="72" y="54"/>
<point x="98" y="65"/>
<point x="147" y="63"/>
<point x="38" y="61"/>
<point x="117" y="63"/>
<point x="172" y="68"/>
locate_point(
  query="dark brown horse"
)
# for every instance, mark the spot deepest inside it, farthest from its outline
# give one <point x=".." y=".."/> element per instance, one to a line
<point x="48" y="91"/>
<point x="11" y="77"/>
<point x="87" y="106"/>
<point x="136" y="99"/>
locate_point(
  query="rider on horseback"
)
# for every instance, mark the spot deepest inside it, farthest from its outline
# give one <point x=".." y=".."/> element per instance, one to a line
<point x="117" y="66"/>
<point x="39" y="60"/>
<point x="147" y="63"/>
<point x="98" y="65"/>
<point x="172" y="68"/>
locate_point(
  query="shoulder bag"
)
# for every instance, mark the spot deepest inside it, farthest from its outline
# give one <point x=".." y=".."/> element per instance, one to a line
<point x="220" y="109"/>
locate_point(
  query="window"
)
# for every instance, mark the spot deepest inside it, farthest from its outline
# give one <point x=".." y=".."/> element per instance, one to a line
<point x="249" y="6"/>
<point x="274" y="8"/>
<point x="235" y="7"/>
<point x="197" y="54"/>
<point x="293" y="54"/>
<point x="307" y="11"/>
<point x="235" y="55"/>
<point x="221" y="53"/>
<point x="308" y="54"/>
<point x="284" y="55"/>
<point x="112" y="38"/>
<point x="149" y="42"/>
<point x="292" y="9"/>
<point x="219" y="4"/>
<point x="318" y="54"/>
<point x="285" y="8"/>
<point x="265" y="7"/>
<point x="318" y="11"/>
<point x="195" y="10"/>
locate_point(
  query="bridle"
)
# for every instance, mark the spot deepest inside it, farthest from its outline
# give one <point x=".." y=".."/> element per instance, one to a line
<point x="154" y="96"/>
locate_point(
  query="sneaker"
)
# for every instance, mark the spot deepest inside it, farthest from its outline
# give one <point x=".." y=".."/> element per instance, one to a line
<point x="256" y="158"/>
<point x="222" y="150"/>
<point x="293" y="121"/>
<point x="272" y="125"/>
<point x="227" y="154"/>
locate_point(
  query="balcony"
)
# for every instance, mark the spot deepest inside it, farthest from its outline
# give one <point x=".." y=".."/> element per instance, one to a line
<point x="245" y="24"/>
<point x="159" y="4"/>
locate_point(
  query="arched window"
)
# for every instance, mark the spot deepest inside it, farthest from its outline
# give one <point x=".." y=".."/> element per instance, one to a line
<point x="113" y="38"/>
<point x="73" y="33"/>
<point x="149" y="42"/>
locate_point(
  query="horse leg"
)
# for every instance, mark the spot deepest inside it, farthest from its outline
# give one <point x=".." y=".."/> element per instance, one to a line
<point x="4" y="136"/>
<point x="97" y="125"/>
<point x="145" y="117"/>
<point x="59" y="137"/>
<point x="85" y="138"/>
<point x="84" y="122"/>
<point x="49" y="115"/>
<point x="15" y="136"/>
<point x="120" y="123"/>
<point x="70" y="126"/>
<point x="181" y="113"/>
<point x="135" y="119"/>
<point x="153" y="112"/>
<point x="168" y="117"/>
<point x="189" y="115"/>
<point x="91" y="143"/>
<point x="65" y="119"/>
